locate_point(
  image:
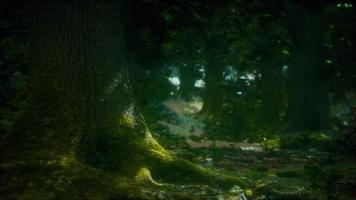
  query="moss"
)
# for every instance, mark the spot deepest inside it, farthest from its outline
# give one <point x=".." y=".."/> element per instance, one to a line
<point x="249" y="192"/>
<point x="154" y="147"/>
<point x="321" y="141"/>
<point x="128" y="120"/>
<point x="187" y="172"/>
<point x="271" y="144"/>
<point x="144" y="175"/>
<point x="312" y="139"/>
<point x="322" y="137"/>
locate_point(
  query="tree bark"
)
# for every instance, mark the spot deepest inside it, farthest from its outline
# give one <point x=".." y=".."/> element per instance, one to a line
<point x="271" y="86"/>
<point x="80" y="101"/>
<point x="213" y="91"/>
<point x="187" y="78"/>
<point x="79" y="88"/>
<point x="308" y="99"/>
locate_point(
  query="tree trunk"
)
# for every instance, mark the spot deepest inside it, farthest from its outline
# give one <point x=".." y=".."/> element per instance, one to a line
<point x="187" y="78"/>
<point x="213" y="91"/>
<point x="308" y="100"/>
<point x="79" y="83"/>
<point x="80" y="101"/>
<point x="271" y="86"/>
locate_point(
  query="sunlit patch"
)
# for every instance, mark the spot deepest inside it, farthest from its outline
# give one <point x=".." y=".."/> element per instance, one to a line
<point x="128" y="117"/>
<point x="174" y="80"/>
<point x="328" y="61"/>
<point x="344" y="5"/>
<point x="201" y="69"/>
<point x="285" y="52"/>
<point x="174" y="76"/>
<point x="199" y="83"/>
<point x="230" y="73"/>
<point x="250" y="76"/>
<point x="183" y="110"/>
<point x="285" y="68"/>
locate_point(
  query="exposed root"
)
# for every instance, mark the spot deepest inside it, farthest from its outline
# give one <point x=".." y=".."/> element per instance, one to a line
<point x="144" y="175"/>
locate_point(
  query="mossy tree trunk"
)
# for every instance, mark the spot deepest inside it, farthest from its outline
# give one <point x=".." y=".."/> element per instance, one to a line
<point x="79" y="89"/>
<point x="308" y="99"/>
<point x="80" y="101"/>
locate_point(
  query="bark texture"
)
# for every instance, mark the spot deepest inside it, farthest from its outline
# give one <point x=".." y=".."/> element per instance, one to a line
<point x="79" y="95"/>
<point x="308" y="100"/>
<point x="213" y="92"/>
<point x="271" y="89"/>
<point x="187" y="78"/>
<point x="80" y="101"/>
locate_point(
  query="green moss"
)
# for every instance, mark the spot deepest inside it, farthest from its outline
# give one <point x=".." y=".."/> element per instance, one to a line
<point x="126" y="119"/>
<point x="320" y="137"/>
<point x="271" y="144"/>
<point x="302" y="140"/>
<point x="144" y="176"/>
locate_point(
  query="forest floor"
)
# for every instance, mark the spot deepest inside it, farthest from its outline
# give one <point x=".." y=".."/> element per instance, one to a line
<point x="269" y="172"/>
<point x="266" y="171"/>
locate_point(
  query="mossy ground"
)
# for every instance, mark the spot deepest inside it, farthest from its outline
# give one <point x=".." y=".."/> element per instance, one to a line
<point x="270" y="174"/>
<point x="297" y="166"/>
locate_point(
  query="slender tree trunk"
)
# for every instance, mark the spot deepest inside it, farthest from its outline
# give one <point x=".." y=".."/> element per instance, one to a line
<point x="308" y="100"/>
<point x="187" y="78"/>
<point x="271" y="86"/>
<point x="213" y="94"/>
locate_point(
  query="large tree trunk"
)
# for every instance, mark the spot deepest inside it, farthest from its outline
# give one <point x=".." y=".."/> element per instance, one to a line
<point x="79" y="87"/>
<point x="308" y="100"/>
<point x="80" y="101"/>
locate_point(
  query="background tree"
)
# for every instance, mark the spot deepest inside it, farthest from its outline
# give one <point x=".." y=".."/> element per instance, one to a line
<point x="308" y="83"/>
